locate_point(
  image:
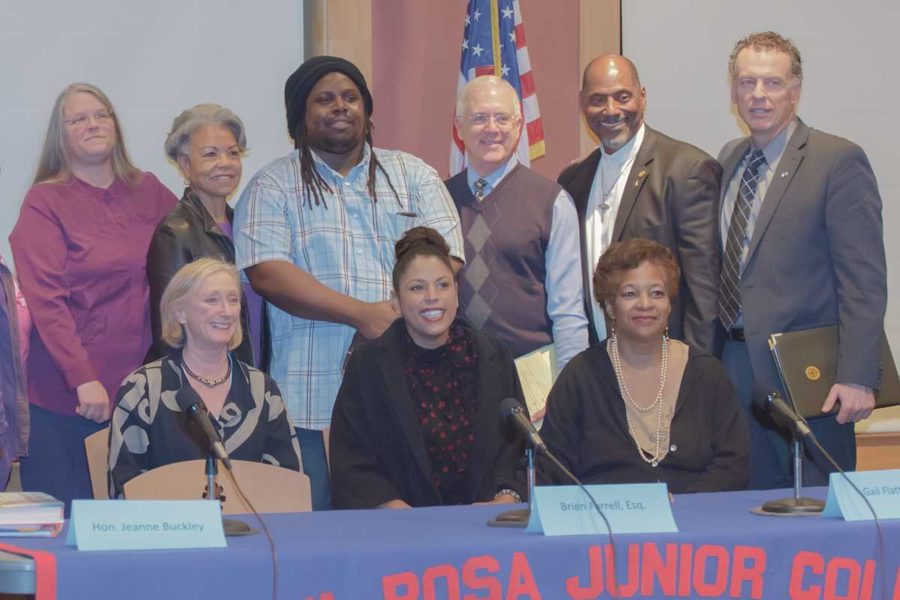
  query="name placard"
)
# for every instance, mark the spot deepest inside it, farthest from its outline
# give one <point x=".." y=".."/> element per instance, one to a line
<point x="629" y="508"/>
<point x="881" y="489"/>
<point x="145" y="524"/>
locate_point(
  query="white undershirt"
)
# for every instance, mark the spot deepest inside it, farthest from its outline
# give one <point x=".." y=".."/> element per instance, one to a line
<point x="605" y="197"/>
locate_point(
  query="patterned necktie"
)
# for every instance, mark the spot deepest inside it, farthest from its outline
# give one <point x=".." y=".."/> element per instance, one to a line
<point x="479" y="188"/>
<point x="730" y="288"/>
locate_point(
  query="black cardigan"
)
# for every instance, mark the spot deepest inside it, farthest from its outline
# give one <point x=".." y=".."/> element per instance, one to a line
<point x="377" y="446"/>
<point x="585" y="428"/>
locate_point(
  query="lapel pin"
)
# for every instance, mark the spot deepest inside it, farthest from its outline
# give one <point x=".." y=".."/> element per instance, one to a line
<point x="784" y="174"/>
<point x="641" y="175"/>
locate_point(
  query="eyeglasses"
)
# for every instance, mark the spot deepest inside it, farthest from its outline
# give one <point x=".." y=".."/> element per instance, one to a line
<point x="101" y="117"/>
<point x="501" y="120"/>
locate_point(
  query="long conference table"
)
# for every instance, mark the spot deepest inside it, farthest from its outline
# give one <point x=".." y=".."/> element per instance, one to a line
<point x="720" y="551"/>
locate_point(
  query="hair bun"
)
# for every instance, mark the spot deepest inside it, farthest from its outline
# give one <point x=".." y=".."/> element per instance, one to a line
<point x="418" y="239"/>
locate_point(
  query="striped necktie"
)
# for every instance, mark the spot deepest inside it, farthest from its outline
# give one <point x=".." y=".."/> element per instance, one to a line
<point x="732" y="261"/>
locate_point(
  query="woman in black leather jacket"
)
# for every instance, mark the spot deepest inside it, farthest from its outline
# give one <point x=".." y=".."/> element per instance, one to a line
<point x="207" y="143"/>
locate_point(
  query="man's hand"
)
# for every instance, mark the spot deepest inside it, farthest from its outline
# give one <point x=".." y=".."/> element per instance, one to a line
<point x="857" y="402"/>
<point x="396" y="503"/>
<point x="376" y="318"/>
<point x="93" y="403"/>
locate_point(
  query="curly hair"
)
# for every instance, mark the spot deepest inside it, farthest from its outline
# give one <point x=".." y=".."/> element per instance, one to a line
<point x="621" y="257"/>
<point x="768" y="41"/>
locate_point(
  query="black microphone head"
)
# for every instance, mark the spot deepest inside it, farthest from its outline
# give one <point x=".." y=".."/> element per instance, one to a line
<point x="188" y="397"/>
<point x="509" y="407"/>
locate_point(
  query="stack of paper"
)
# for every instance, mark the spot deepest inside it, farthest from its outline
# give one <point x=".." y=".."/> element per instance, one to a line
<point x="30" y="514"/>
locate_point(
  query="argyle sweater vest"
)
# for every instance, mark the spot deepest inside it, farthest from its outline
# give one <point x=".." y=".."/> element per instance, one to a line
<point x="501" y="288"/>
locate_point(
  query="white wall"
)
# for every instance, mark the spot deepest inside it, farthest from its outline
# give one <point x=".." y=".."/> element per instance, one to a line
<point x="153" y="59"/>
<point x="850" y="83"/>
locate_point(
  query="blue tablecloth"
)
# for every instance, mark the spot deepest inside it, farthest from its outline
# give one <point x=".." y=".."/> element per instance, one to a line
<point x="721" y="550"/>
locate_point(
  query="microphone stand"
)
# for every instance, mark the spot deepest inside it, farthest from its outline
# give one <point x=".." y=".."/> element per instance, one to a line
<point x="519" y="517"/>
<point x="232" y="527"/>
<point x="796" y="504"/>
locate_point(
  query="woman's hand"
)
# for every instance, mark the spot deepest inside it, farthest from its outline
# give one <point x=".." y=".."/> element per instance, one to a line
<point x="93" y="403"/>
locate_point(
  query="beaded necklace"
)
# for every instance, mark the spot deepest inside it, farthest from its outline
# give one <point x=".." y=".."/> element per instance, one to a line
<point x="656" y="457"/>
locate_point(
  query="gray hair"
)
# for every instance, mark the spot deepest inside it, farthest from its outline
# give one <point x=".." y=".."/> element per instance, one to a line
<point x="53" y="165"/>
<point x="195" y="117"/>
<point x="486" y="81"/>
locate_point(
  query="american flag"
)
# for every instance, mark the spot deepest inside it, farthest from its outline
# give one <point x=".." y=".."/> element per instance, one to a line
<point x="494" y="44"/>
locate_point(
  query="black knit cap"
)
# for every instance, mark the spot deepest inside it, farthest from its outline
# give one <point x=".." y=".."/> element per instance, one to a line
<point x="301" y="82"/>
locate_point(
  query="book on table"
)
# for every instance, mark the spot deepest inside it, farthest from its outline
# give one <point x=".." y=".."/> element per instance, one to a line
<point x="30" y="514"/>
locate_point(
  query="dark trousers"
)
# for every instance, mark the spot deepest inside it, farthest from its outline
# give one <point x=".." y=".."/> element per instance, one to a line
<point x="771" y="462"/>
<point x="315" y="466"/>
<point x="56" y="461"/>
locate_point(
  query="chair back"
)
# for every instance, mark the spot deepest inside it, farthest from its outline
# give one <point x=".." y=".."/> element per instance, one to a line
<point x="96" y="446"/>
<point x="269" y="488"/>
<point x="326" y="439"/>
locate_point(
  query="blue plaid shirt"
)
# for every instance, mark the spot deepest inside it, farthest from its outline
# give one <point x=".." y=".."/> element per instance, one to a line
<point x="348" y="246"/>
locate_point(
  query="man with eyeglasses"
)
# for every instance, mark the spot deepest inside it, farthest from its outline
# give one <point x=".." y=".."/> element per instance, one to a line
<point x="522" y="281"/>
<point x="640" y="183"/>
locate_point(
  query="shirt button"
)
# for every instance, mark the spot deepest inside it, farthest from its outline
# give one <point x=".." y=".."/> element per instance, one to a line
<point x="347" y="183"/>
<point x="673" y="448"/>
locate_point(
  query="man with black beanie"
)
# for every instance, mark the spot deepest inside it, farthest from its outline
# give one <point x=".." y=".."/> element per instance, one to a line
<point x="315" y="230"/>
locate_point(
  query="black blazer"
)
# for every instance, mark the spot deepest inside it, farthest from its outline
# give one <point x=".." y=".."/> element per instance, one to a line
<point x="186" y="234"/>
<point x="671" y="198"/>
<point x="377" y="447"/>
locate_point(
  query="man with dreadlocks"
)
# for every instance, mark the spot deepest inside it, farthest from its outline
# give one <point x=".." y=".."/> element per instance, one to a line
<point x="315" y="230"/>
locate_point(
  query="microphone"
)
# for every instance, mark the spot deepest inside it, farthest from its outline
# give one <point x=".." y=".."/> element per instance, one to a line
<point x="775" y="404"/>
<point x="511" y="411"/>
<point x="190" y="402"/>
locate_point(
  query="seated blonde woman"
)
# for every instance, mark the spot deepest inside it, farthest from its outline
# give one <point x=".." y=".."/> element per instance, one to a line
<point x="200" y="313"/>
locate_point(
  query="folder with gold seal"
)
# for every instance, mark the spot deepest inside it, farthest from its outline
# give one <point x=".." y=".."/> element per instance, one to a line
<point x="807" y="364"/>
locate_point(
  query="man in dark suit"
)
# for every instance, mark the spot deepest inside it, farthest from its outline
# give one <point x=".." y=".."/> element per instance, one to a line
<point x="801" y="228"/>
<point x="641" y="183"/>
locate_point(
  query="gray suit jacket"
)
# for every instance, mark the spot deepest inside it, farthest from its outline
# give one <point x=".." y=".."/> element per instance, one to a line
<point x="817" y="254"/>
<point x="671" y="198"/>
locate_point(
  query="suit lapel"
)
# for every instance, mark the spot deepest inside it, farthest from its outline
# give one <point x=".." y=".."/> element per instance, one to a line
<point x="485" y="420"/>
<point x="401" y="403"/>
<point x="581" y="184"/>
<point x="781" y="179"/>
<point x="636" y="178"/>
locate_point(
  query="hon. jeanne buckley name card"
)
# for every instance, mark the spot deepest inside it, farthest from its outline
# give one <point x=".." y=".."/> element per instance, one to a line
<point x="145" y="524"/>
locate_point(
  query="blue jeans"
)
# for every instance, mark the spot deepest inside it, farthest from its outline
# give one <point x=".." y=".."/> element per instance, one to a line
<point x="315" y="466"/>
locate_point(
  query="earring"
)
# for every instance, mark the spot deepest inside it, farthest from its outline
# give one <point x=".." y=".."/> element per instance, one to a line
<point x="666" y="333"/>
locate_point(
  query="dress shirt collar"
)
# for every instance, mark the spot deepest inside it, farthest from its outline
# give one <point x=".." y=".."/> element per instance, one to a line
<point x="333" y="176"/>
<point x="775" y="148"/>
<point x="494" y="178"/>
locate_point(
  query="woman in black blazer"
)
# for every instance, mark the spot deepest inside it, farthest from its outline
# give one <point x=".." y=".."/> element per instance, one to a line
<point x="416" y="419"/>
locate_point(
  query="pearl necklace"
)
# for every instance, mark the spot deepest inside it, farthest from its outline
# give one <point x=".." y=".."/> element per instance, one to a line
<point x="656" y="457"/>
<point x="211" y="383"/>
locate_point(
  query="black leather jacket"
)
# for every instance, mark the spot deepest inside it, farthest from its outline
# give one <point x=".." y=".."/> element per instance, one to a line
<point x="186" y="234"/>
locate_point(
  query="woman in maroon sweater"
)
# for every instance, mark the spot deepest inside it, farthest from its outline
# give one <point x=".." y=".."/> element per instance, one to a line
<point x="79" y="246"/>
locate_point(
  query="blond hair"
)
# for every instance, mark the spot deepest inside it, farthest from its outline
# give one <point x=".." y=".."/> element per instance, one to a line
<point x="53" y="165"/>
<point x="182" y="285"/>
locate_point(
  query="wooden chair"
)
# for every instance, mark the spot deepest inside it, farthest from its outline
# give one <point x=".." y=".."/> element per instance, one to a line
<point x="96" y="446"/>
<point x="271" y="489"/>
